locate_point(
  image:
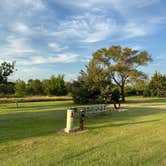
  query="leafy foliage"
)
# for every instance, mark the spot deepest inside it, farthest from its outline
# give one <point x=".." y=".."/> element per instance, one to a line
<point x="20" y="88"/>
<point x="93" y="85"/>
<point x="6" y="69"/>
<point x="122" y="63"/>
<point x="34" y="87"/>
<point x="55" y="86"/>
<point x="6" y="89"/>
<point x="157" y="86"/>
<point x="136" y="88"/>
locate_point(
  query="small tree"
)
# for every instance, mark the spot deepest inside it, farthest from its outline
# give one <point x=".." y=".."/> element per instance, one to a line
<point x="55" y="86"/>
<point x="34" y="87"/>
<point x="20" y="88"/>
<point x="93" y="85"/>
<point x="157" y="85"/>
<point x="7" y="89"/>
<point x="6" y="69"/>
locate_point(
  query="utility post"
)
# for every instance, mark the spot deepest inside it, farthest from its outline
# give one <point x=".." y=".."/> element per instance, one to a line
<point x="81" y="119"/>
<point x="70" y="120"/>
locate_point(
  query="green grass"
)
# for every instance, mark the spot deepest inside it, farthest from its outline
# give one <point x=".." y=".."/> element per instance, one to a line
<point x="29" y="135"/>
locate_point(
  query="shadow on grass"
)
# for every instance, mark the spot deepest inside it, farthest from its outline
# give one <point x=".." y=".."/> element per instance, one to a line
<point x="23" y="125"/>
<point x="123" y="124"/>
<point x="146" y="100"/>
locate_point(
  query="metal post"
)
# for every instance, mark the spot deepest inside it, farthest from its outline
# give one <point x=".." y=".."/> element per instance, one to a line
<point x="17" y="104"/>
<point x="81" y="119"/>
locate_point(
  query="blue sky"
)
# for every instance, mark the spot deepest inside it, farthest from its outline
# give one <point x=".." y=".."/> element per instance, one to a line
<point x="50" y="37"/>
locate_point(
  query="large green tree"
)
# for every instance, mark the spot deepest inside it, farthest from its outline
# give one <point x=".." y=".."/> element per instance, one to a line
<point x="6" y="69"/>
<point x="93" y="85"/>
<point x="122" y="63"/>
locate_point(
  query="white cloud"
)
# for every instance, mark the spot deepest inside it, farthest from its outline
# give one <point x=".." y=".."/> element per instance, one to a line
<point x="60" y="58"/>
<point x="115" y="3"/>
<point x="37" y="4"/>
<point x="57" y="47"/>
<point x="136" y="47"/>
<point x="134" y="30"/>
<point x="15" y="4"/>
<point x="25" y="73"/>
<point x="15" y="47"/>
<point x="157" y="19"/>
<point x="161" y="58"/>
<point x="87" y="28"/>
<point x="21" y="28"/>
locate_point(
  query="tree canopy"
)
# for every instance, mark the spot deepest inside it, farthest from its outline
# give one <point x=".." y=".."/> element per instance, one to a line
<point x="6" y="69"/>
<point x="157" y="85"/>
<point x="94" y="85"/>
<point x="122" y="64"/>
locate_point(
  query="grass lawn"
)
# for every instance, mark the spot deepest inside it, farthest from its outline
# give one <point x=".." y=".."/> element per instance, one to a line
<point x="29" y="135"/>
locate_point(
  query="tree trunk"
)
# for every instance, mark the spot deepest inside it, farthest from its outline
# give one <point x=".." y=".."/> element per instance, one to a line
<point x="122" y="93"/>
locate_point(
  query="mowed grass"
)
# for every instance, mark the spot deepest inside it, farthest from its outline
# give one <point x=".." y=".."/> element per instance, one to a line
<point x="30" y="135"/>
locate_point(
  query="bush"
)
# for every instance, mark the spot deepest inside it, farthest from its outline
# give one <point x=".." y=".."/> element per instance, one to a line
<point x="80" y="92"/>
<point x="20" y="88"/>
<point x="55" y="86"/>
<point x="147" y="93"/>
<point x="7" y="89"/>
<point x="130" y="91"/>
<point x="157" y="86"/>
<point x="34" y="87"/>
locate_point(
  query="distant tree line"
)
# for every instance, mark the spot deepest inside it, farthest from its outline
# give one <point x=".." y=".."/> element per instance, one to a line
<point x="155" y="87"/>
<point x="54" y="86"/>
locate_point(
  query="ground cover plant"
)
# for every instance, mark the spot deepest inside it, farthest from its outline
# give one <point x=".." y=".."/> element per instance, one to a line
<point x="29" y="135"/>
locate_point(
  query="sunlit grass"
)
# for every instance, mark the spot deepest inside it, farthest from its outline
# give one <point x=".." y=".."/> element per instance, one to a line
<point x="29" y="135"/>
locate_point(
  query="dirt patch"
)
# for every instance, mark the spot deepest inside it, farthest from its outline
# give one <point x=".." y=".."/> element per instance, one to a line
<point x="77" y="130"/>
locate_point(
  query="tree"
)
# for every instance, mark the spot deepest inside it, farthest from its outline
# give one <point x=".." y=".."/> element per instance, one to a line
<point x="46" y="86"/>
<point x="157" y="85"/>
<point x="6" y="69"/>
<point x="20" y="88"/>
<point x="93" y="85"/>
<point x="122" y="63"/>
<point x="7" y="89"/>
<point x="34" y="87"/>
<point x="55" y="86"/>
<point x="136" y="87"/>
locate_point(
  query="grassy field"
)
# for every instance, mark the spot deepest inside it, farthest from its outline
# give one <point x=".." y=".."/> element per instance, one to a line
<point x="29" y="135"/>
<point x="34" y="99"/>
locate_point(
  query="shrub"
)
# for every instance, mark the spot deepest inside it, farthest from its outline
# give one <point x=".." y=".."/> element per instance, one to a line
<point x="20" y="88"/>
<point x="55" y="86"/>
<point x="7" y="89"/>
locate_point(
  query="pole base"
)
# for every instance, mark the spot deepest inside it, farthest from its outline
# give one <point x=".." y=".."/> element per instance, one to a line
<point x="68" y="130"/>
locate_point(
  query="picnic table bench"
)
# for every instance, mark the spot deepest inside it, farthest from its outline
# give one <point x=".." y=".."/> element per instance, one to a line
<point x="92" y="109"/>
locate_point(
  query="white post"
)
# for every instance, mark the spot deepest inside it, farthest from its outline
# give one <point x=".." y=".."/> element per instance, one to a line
<point x="69" y="121"/>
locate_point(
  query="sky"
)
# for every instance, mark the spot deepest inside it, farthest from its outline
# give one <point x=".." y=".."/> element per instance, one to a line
<point x="51" y="37"/>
